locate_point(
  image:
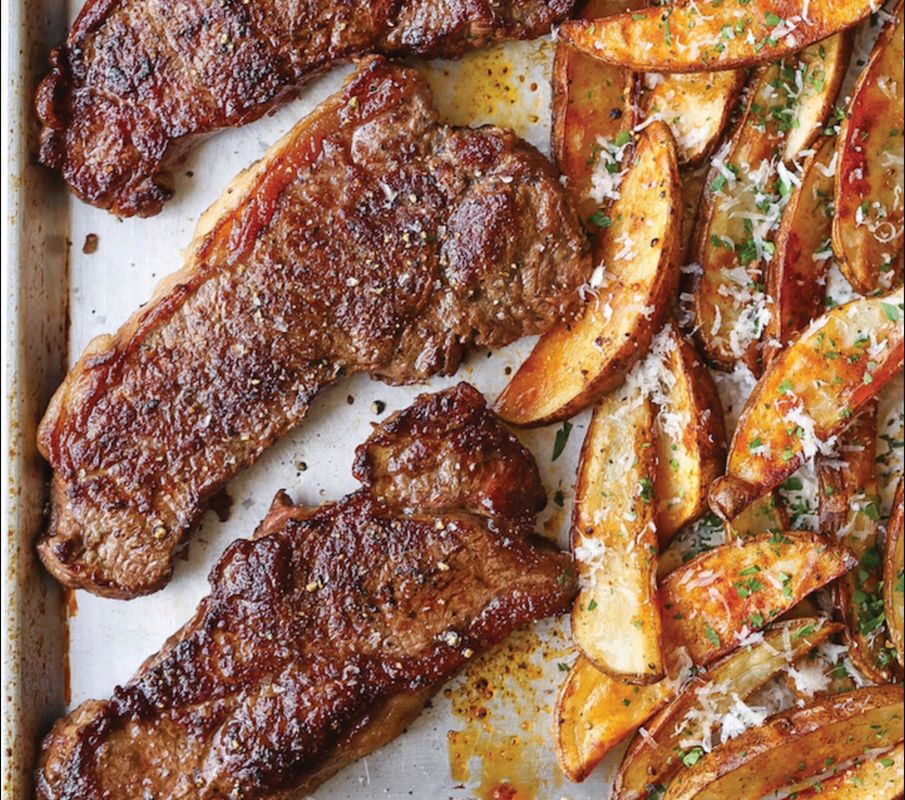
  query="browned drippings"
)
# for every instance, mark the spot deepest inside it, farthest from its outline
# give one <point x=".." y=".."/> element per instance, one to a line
<point x="503" y="704"/>
<point x="501" y="84"/>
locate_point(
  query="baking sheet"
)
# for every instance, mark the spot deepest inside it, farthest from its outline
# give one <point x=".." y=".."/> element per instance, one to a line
<point x="108" y="639"/>
<point x="489" y="727"/>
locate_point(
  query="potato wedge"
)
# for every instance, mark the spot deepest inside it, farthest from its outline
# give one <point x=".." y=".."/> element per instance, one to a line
<point x="595" y="711"/>
<point x="894" y="575"/>
<point x="868" y="222"/>
<point x="690" y="440"/>
<point x="767" y="514"/>
<point x="578" y="362"/>
<point x="746" y="194"/>
<point x="809" y="394"/>
<point x="791" y="746"/>
<point x="593" y="114"/>
<point x="712" y="34"/>
<point x="696" y="107"/>
<point x="616" y="616"/>
<point x="849" y="509"/>
<point x="653" y="759"/>
<point x="744" y="583"/>
<point x="796" y="273"/>
<point x="877" y="777"/>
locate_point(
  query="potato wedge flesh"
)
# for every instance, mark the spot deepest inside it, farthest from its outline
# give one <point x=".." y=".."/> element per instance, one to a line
<point x="869" y="215"/>
<point x="878" y="777"/>
<point x="595" y="711"/>
<point x="577" y="362"/>
<point x="656" y="757"/>
<point x="796" y="276"/>
<point x="767" y="514"/>
<point x="712" y="35"/>
<point x="827" y="68"/>
<point x="616" y="616"/>
<point x="696" y="108"/>
<point x="793" y="745"/>
<point x="809" y="394"/>
<point x="690" y="441"/>
<point x="894" y="574"/>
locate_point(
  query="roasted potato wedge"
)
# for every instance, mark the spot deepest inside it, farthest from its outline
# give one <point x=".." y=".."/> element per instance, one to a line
<point x="696" y="107"/>
<point x="849" y="509"/>
<point x="744" y="583"/>
<point x="655" y="757"/>
<point x="690" y="439"/>
<point x="809" y="394"/>
<point x="767" y="514"/>
<point x="868" y="222"/>
<point x="713" y="34"/>
<point x="794" y="745"/>
<point x="826" y="66"/>
<point x="579" y="361"/>
<point x="595" y="711"/>
<point x="593" y="115"/>
<point x="894" y="575"/>
<point x="871" y="777"/>
<point x="616" y="616"/>
<point x="745" y="197"/>
<point x="796" y="273"/>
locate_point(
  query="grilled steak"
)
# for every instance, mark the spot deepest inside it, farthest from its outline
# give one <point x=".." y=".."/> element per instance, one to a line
<point x="323" y="636"/>
<point x="138" y="82"/>
<point x="369" y="239"/>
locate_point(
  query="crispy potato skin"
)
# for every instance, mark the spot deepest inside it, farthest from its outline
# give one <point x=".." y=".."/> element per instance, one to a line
<point x="791" y="746"/>
<point x="696" y="107"/>
<point x="766" y="448"/>
<point x="879" y="777"/>
<point x="686" y="467"/>
<point x="868" y="238"/>
<point x="694" y="181"/>
<point x="893" y="565"/>
<point x="654" y="757"/>
<point x="616" y="616"/>
<point x="595" y="711"/>
<point x="728" y="322"/>
<point x="580" y="360"/>
<point x="796" y="282"/>
<point x="591" y="100"/>
<point x="682" y="37"/>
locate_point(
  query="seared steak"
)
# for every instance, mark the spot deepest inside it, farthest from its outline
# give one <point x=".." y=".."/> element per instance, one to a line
<point x="323" y="636"/>
<point x="369" y="239"/>
<point x="138" y="82"/>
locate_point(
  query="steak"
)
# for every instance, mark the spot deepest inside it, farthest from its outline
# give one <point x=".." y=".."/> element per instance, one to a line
<point x="323" y="636"/>
<point x="138" y="82"/>
<point x="369" y="239"/>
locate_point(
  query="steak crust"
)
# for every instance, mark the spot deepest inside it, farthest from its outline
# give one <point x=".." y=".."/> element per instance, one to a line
<point x="323" y="636"/>
<point x="370" y="239"/>
<point x="138" y="82"/>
